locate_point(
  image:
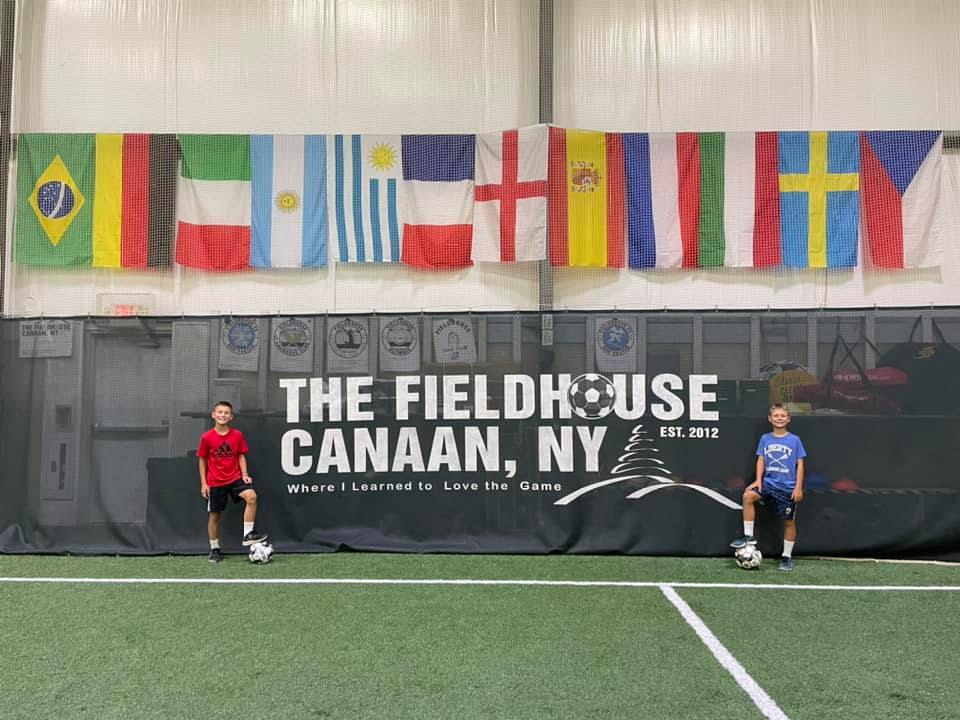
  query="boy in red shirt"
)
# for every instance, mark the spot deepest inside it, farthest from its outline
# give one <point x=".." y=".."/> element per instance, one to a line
<point x="223" y="473"/>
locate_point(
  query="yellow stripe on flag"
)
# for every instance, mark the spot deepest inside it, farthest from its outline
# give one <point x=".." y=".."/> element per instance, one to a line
<point x="817" y="183"/>
<point x="107" y="201"/>
<point x="587" y="198"/>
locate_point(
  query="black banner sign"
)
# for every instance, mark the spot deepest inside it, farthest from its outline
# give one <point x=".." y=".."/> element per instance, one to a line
<point x="506" y="462"/>
<point x="560" y="464"/>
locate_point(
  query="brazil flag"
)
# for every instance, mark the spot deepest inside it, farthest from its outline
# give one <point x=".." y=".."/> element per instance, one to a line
<point x="55" y="185"/>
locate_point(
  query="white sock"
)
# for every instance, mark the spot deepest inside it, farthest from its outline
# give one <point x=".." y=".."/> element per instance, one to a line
<point x="788" y="548"/>
<point x="748" y="527"/>
<point x="247" y="528"/>
<point x="215" y="544"/>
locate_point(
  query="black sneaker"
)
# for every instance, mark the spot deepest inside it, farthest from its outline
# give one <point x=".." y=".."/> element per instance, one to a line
<point x="254" y="537"/>
<point x="786" y="564"/>
<point x="216" y="556"/>
<point x="743" y="541"/>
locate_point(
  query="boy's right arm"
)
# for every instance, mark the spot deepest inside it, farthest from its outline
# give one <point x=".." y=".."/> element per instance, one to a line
<point x="204" y="488"/>
<point x="758" y="482"/>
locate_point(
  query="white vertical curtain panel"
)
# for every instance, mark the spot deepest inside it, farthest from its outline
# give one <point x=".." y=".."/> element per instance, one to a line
<point x="285" y="66"/>
<point x="278" y="67"/>
<point x="446" y="66"/>
<point x="747" y="65"/>
<point x="699" y="65"/>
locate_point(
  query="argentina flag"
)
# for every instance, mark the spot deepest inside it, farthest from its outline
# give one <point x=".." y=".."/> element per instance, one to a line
<point x="289" y="203"/>
<point x="364" y="174"/>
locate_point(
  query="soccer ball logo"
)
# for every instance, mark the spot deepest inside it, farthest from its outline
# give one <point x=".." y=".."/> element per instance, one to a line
<point x="261" y="552"/>
<point x="748" y="557"/>
<point x="591" y="396"/>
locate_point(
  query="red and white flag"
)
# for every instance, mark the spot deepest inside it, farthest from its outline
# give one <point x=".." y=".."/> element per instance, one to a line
<point x="903" y="198"/>
<point x="510" y="214"/>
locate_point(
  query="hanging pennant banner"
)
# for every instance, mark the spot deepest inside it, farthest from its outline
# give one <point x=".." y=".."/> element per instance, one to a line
<point x="453" y="340"/>
<point x="291" y="347"/>
<point x="399" y="344"/>
<point x="348" y="345"/>
<point x="240" y="344"/>
<point x="616" y="341"/>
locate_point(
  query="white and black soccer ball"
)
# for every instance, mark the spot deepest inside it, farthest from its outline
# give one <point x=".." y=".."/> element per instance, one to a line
<point x="591" y="396"/>
<point x="771" y="370"/>
<point x="261" y="552"/>
<point x="748" y="557"/>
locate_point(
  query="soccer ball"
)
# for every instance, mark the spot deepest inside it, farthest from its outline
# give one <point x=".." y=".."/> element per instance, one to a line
<point x="748" y="557"/>
<point x="771" y="370"/>
<point x="591" y="396"/>
<point x="261" y="552"/>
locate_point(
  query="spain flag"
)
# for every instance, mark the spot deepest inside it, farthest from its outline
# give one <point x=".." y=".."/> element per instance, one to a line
<point x="585" y="181"/>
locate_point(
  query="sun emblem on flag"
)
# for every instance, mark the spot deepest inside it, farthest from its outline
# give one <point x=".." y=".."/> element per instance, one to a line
<point x="288" y="201"/>
<point x="383" y="156"/>
<point x="584" y="176"/>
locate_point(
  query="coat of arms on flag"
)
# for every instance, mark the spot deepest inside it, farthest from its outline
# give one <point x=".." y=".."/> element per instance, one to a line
<point x="586" y="184"/>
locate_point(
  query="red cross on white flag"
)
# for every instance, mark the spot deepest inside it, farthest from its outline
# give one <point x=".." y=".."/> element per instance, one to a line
<point x="510" y="214"/>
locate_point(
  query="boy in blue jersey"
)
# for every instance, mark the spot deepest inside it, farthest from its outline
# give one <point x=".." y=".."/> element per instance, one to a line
<point x="780" y="462"/>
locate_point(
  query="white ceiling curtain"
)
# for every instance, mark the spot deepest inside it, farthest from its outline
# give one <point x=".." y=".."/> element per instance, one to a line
<point x="669" y="65"/>
<point x="295" y="66"/>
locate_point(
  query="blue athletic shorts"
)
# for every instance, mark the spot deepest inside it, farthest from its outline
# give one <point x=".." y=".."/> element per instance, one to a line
<point x="785" y="506"/>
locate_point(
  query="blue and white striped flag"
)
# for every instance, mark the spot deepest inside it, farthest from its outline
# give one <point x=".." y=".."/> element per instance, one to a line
<point x="289" y="187"/>
<point x="365" y="173"/>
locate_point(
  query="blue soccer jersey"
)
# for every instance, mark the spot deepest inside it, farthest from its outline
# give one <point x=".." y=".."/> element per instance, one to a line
<point x="780" y="455"/>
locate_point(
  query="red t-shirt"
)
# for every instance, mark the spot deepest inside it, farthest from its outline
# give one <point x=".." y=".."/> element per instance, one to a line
<point x="223" y="455"/>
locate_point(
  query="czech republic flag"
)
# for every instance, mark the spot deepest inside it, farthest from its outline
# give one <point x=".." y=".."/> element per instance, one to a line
<point x="901" y="173"/>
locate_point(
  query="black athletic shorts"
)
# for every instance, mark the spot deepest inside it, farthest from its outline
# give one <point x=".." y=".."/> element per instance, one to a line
<point x="217" y="502"/>
<point x="782" y="500"/>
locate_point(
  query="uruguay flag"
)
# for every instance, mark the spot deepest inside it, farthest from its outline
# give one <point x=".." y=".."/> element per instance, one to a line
<point x="366" y="175"/>
<point x="901" y="175"/>
<point x="438" y="175"/>
<point x="289" y="207"/>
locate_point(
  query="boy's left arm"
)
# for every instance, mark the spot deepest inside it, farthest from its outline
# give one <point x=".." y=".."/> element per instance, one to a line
<point x="243" y="469"/>
<point x="797" y="494"/>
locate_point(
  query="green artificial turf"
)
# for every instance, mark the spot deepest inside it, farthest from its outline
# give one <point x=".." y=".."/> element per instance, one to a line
<point x="532" y="567"/>
<point x="356" y="651"/>
<point x="851" y="655"/>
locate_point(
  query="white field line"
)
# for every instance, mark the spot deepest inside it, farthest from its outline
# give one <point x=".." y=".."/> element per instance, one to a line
<point x="470" y="581"/>
<point x="893" y="561"/>
<point x="766" y="704"/>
